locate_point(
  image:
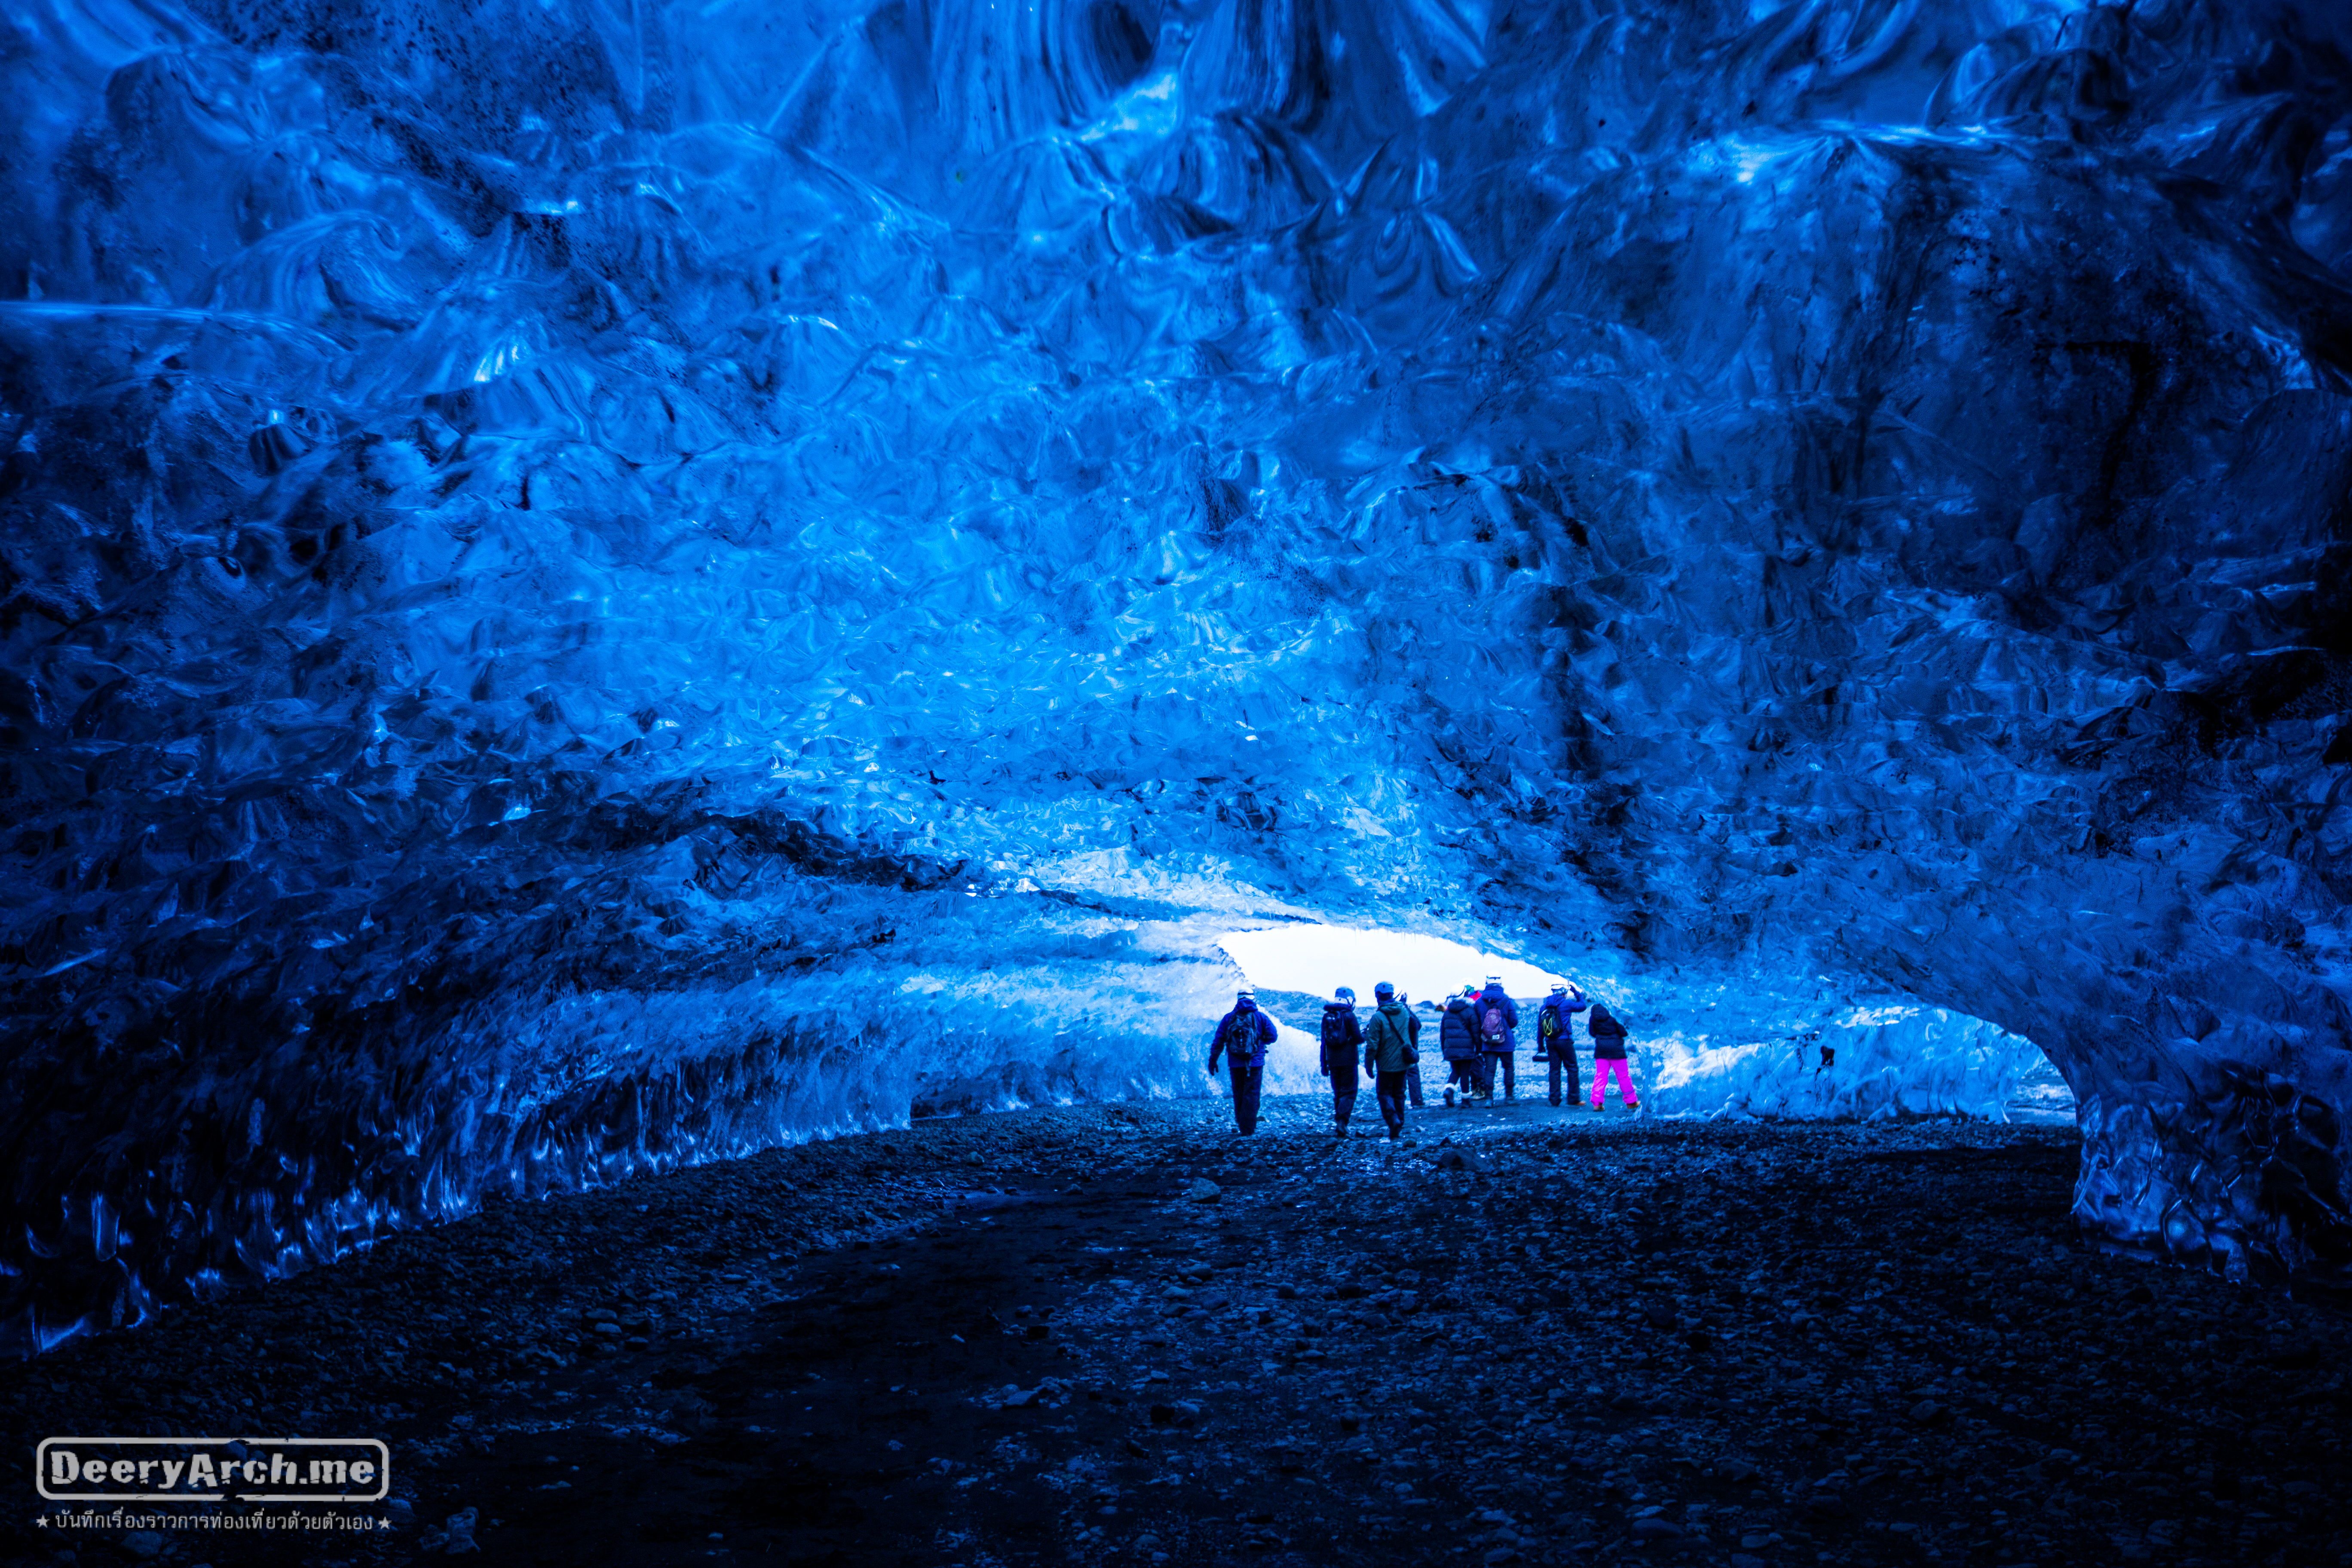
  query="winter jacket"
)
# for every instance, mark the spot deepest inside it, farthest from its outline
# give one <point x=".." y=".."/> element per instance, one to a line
<point x="1457" y="1032"/>
<point x="1493" y="997"/>
<point x="1555" y="1019"/>
<point x="1244" y="1032"/>
<point x="1388" y="1040"/>
<point x="1341" y="1034"/>
<point x="1608" y="1033"/>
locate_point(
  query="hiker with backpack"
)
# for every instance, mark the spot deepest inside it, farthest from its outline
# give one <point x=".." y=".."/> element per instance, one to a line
<point x="1240" y="1039"/>
<point x="1457" y="1039"/>
<point x="1555" y="1036"/>
<point x="1343" y="1037"/>
<point x="1609" y="1058"/>
<point x="1391" y="1056"/>
<point x="1498" y="1040"/>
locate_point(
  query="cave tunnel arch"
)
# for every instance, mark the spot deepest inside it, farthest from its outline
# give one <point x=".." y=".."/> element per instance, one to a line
<point x="763" y="578"/>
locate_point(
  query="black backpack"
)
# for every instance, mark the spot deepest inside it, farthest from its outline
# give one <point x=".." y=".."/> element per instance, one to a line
<point x="1334" y="1030"/>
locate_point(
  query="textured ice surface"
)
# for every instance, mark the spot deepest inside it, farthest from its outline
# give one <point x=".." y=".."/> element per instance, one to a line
<point x="584" y="584"/>
<point x="1889" y="1060"/>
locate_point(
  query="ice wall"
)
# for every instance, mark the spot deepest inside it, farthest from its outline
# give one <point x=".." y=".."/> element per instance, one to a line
<point x="581" y="584"/>
<point x="1890" y="1060"/>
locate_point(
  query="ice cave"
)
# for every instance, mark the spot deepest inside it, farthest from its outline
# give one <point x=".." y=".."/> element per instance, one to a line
<point x="592" y="585"/>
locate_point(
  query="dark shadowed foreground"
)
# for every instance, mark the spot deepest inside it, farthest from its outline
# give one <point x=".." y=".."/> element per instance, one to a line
<point x="1041" y="1338"/>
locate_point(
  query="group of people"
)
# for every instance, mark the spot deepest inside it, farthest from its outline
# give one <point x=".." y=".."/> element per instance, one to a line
<point x="1479" y="1029"/>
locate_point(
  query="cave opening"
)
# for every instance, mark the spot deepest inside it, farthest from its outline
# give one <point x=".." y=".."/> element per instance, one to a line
<point x="1702" y="1045"/>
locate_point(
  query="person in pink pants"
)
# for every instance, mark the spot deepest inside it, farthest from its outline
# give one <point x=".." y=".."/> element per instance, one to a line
<point x="1609" y="1058"/>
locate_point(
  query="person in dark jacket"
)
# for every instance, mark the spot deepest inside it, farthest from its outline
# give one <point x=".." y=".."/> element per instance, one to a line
<point x="1343" y="1036"/>
<point x="1609" y="1058"/>
<point x="1498" y="1040"/>
<point x="1388" y="1055"/>
<point x="1556" y="1037"/>
<point x="1240" y="1039"/>
<point x="1457" y="1039"/>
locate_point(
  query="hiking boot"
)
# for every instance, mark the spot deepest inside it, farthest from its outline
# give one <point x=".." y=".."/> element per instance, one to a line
<point x="1449" y="1099"/>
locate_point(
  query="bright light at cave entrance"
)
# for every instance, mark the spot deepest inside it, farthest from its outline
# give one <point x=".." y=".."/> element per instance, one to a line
<point x="1317" y="958"/>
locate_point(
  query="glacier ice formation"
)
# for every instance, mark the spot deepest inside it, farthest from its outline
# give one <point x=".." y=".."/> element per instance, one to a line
<point x="584" y="585"/>
<point x="1878" y="1061"/>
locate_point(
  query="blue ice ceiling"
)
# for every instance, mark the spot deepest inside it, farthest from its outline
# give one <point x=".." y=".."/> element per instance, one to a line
<point x="585" y="585"/>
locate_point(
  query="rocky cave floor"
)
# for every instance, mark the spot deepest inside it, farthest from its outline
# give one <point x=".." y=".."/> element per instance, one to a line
<point x="1534" y="1336"/>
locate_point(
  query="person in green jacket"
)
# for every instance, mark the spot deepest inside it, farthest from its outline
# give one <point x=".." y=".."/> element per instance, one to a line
<point x="1388" y="1055"/>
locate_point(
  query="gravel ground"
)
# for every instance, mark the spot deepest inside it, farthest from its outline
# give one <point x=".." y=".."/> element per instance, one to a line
<point x="1121" y="1334"/>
